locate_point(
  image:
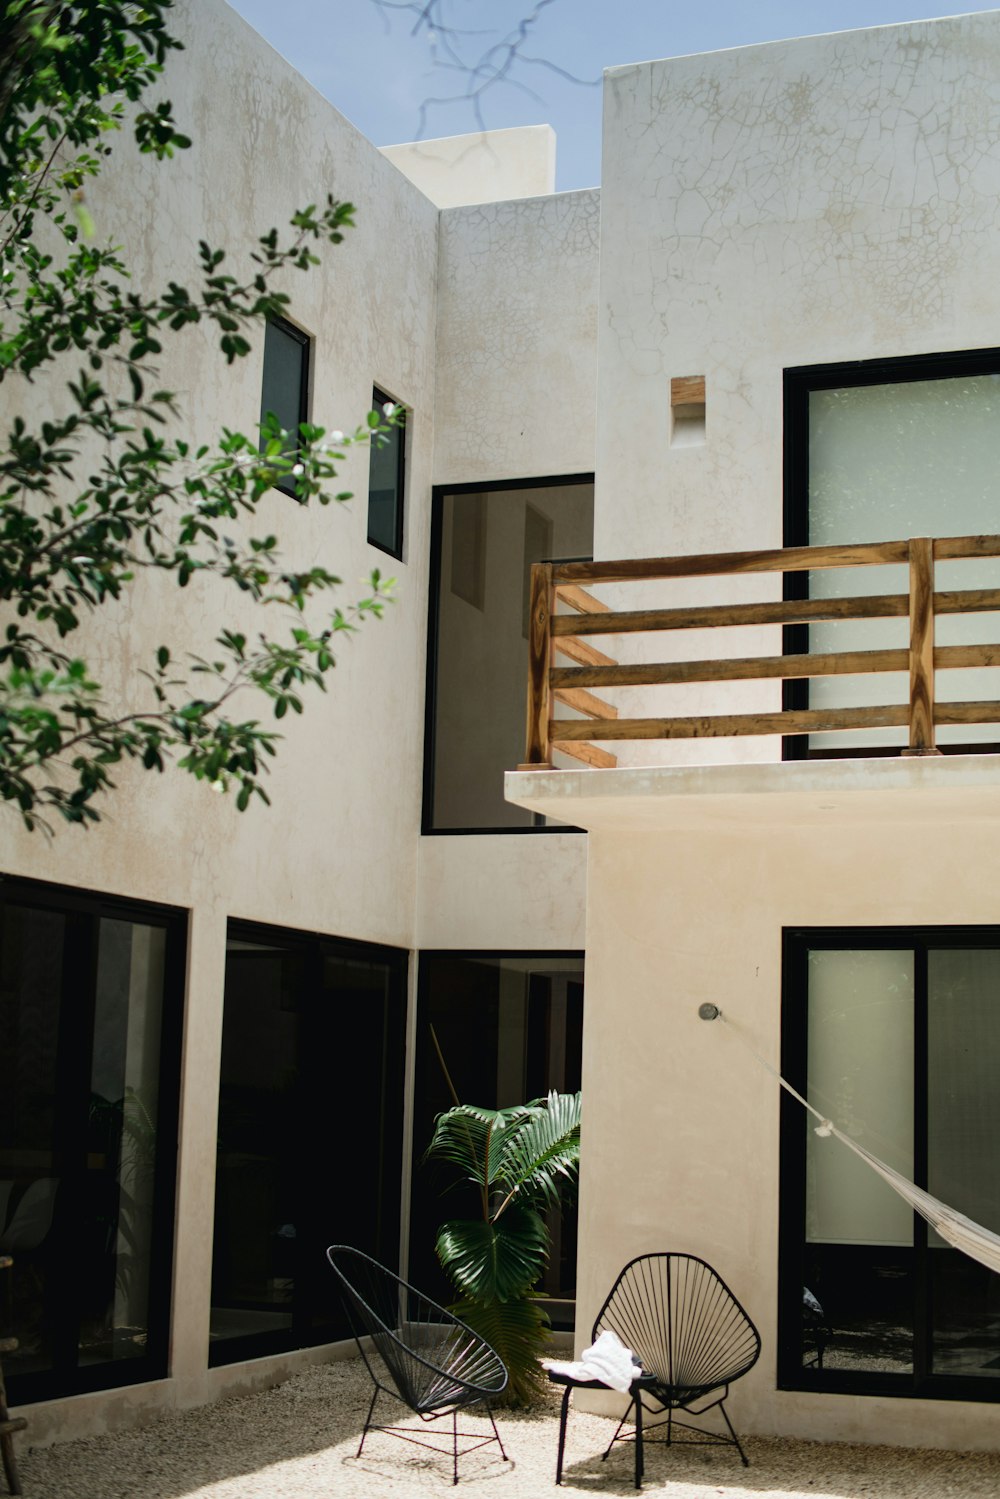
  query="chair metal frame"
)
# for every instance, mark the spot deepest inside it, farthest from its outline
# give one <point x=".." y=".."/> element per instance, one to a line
<point x="457" y="1368"/>
<point x="663" y="1379"/>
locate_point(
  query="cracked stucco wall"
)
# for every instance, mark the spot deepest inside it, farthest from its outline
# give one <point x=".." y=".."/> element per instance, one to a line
<point x="825" y="199"/>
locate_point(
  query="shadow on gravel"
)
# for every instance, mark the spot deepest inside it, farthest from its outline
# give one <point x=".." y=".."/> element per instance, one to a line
<point x="298" y="1440"/>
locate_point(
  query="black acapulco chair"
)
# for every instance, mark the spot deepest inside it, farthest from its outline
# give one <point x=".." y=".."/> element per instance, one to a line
<point x="416" y="1352"/>
<point x="692" y="1338"/>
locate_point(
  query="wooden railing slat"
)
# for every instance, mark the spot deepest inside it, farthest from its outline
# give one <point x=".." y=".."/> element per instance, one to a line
<point x="536" y="750"/>
<point x="580" y="599"/>
<point x="733" y="669"/>
<point x="714" y="616"/>
<point x="951" y="657"/>
<point x="967" y="601"/>
<point x="949" y="548"/>
<point x="579" y="650"/>
<point x="921" y="646"/>
<point x="959" y="713"/>
<point x="714" y="726"/>
<point x="713" y="564"/>
<point x="583" y="702"/>
<point x="590" y="754"/>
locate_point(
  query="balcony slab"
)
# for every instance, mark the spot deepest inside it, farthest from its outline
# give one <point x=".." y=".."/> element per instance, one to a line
<point x="896" y="790"/>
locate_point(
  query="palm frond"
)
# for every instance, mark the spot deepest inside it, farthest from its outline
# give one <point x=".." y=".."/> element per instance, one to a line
<point x="518" y="1331"/>
<point x="544" y="1152"/>
<point x="494" y="1262"/>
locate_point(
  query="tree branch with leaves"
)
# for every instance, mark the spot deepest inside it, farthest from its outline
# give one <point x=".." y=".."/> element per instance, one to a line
<point x="77" y="531"/>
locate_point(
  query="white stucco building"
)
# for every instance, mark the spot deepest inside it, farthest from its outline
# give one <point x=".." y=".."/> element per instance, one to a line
<point x="776" y="323"/>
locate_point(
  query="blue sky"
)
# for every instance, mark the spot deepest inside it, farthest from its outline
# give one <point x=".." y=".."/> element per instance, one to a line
<point x="367" y="62"/>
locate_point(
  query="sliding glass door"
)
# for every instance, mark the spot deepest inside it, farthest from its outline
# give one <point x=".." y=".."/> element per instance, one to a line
<point x="90" y="1012"/>
<point x="895" y="1036"/>
<point x="310" y="1132"/>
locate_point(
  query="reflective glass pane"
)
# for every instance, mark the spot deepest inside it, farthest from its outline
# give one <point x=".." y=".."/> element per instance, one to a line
<point x="117" y="1206"/>
<point x="488" y="542"/>
<point x="310" y="1133"/>
<point x="963" y="1104"/>
<point x="857" y="1296"/>
<point x="886" y="463"/>
<point x="505" y="1029"/>
<point x="385" y="486"/>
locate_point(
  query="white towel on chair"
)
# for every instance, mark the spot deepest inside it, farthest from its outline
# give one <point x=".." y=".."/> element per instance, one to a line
<point x="607" y="1359"/>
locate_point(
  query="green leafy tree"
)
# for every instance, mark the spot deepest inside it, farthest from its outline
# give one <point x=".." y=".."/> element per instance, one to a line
<point x="517" y="1160"/>
<point x="77" y="531"/>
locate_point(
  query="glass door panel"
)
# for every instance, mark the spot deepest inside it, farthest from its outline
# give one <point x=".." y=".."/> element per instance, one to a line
<point x="886" y="463"/>
<point x="963" y="1128"/>
<point x="859" y="1262"/>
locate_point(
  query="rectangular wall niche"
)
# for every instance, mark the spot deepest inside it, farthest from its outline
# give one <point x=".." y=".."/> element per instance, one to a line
<point x="687" y="411"/>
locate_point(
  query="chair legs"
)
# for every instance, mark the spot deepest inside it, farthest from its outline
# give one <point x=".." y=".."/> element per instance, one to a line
<point x="636" y="1406"/>
<point x="408" y="1436"/>
<point x="563" y="1412"/>
<point x="732" y="1433"/>
<point x="368" y="1420"/>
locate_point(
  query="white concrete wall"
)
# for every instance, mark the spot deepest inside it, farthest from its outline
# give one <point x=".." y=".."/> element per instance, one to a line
<point x="697" y="915"/>
<point x="831" y="198"/>
<point x="515" y="399"/>
<point x="487" y="166"/>
<point x="337" y="850"/>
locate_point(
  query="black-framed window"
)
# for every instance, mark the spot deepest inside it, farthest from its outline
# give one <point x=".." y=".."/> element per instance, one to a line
<point x="310" y="1132"/>
<point x="91" y="999"/>
<point x="894" y="1034"/>
<point x="884" y="450"/>
<point x="484" y="539"/>
<point x="285" y="383"/>
<point x="508" y="1026"/>
<point x="387" y="480"/>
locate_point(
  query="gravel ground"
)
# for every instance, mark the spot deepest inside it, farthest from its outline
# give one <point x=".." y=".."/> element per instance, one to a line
<point x="299" y="1439"/>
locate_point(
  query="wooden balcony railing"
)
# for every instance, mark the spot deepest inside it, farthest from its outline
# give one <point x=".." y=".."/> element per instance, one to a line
<point x="565" y="635"/>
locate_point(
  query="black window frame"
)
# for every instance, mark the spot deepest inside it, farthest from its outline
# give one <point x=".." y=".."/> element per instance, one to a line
<point x="922" y="1384"/>
<point x="799" y="382"/>
<point x="425" y="957"/>
<point x="96" y="905"/>
<point x="303" y="339"/>
<point x="438" y="495"/>
<point x="401" y="417"/>
<point x="302" y="1333"/>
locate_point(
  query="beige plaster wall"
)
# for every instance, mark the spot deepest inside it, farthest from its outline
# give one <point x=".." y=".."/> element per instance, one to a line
<point x="824" y="199"/>
<point x="695" y="912"/>
<point x="517" y="339"/>
<point x="487" y="166"/>
<point x="515" y="398"/>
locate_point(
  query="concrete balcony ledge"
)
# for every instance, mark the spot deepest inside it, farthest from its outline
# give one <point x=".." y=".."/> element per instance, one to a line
<point x="897" y="790"/>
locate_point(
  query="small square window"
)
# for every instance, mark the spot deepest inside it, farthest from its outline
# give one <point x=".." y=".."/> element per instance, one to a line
<point x="385" y="484"/>
<point x="285" y="388"/>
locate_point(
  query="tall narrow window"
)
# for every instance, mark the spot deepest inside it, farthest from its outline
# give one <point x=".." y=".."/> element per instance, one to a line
<point x="386" y="476"/>
<point x="90" y="1010"/>
<point x="285" y="387"/>
<point x="310" y="1132"/>
<point x="895" y="1036"/>
<point x="485" y="541"/>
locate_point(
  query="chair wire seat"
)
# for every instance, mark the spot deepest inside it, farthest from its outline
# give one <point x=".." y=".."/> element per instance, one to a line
<point x="692" y="1338"/>
<point x="416" y="1351"/>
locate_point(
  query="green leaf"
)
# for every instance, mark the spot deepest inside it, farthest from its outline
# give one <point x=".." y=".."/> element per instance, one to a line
<point x="519" y="1332"/>
<point x="494" y="1261"/>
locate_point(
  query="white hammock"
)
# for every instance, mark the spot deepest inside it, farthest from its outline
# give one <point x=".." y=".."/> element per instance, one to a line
<point x="961" y="1233"/>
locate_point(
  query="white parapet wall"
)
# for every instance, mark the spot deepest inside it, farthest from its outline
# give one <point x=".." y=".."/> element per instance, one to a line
<point x="487" y="166"/>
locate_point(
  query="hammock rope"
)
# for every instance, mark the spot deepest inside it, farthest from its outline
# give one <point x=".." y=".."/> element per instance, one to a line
<point x="955" y="1228"/>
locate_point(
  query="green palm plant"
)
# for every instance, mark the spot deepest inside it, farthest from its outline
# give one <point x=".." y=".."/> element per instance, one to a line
<point x="518" y="1160"/>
